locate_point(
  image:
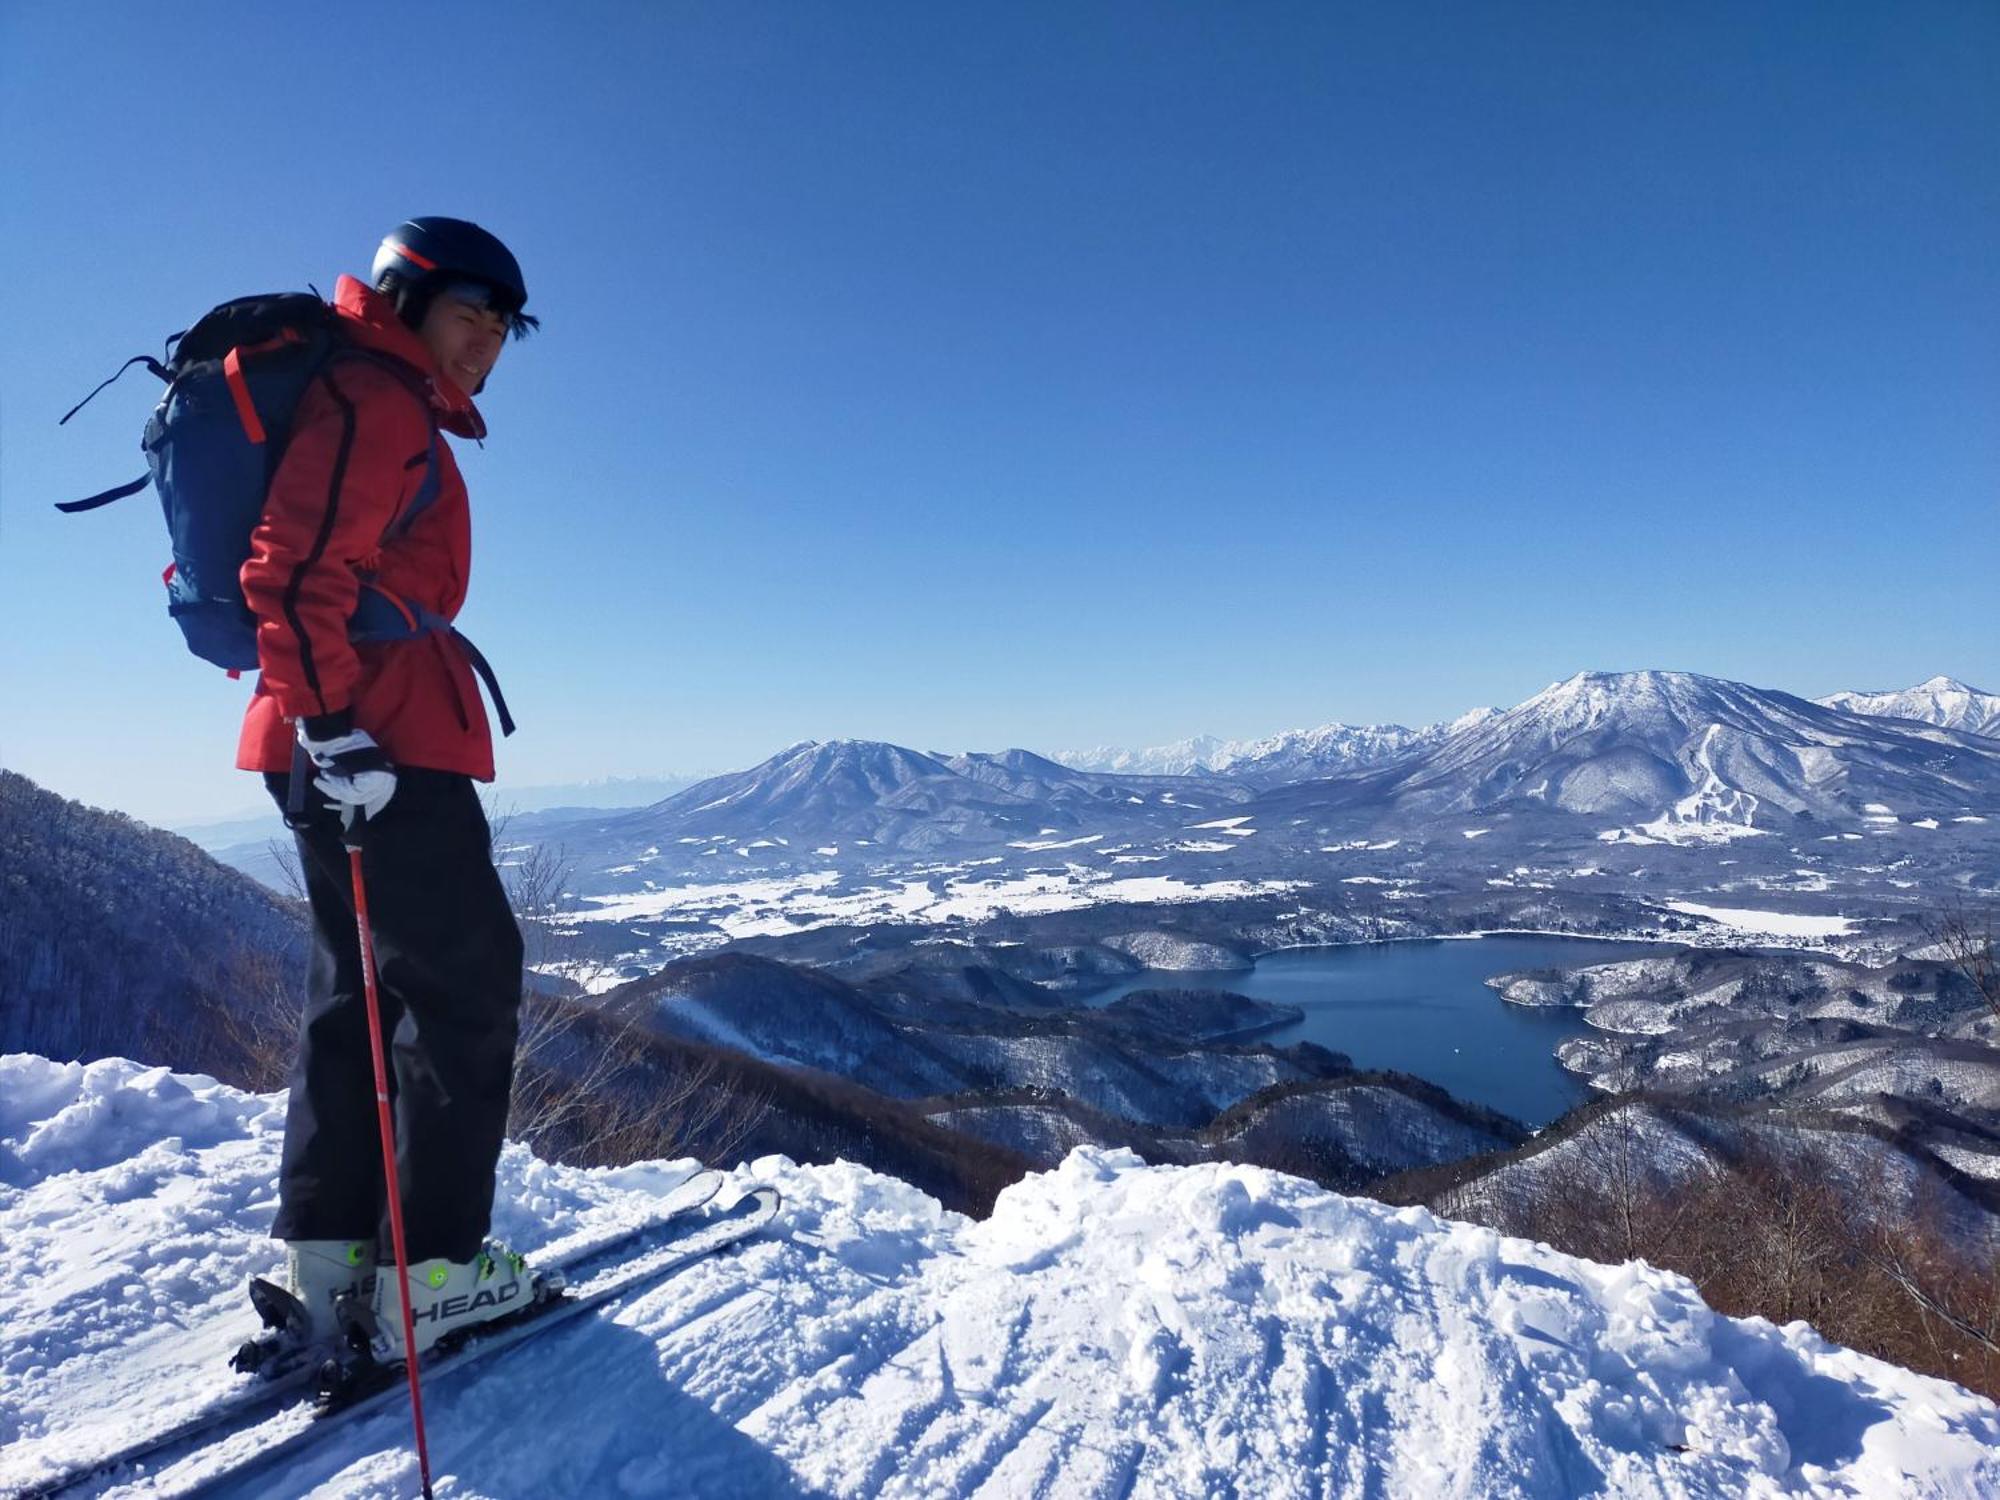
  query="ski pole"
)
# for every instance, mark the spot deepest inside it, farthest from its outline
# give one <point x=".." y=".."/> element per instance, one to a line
<point x="389" y="1162"/>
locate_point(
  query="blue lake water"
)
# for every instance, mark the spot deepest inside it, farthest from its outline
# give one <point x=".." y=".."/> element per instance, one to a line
<point x="1423" y="1008"/>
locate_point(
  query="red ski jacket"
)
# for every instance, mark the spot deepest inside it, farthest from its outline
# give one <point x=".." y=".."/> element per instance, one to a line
<point x="355" y="459"/>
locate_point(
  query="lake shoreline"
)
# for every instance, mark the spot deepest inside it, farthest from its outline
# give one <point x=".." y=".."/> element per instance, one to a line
<point x="1421" y="1006"/>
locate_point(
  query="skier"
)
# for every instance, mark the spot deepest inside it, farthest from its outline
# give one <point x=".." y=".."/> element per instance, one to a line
<point x="392" y="736"/>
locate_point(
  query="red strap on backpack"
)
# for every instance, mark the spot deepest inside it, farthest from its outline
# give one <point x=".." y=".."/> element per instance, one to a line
<point x="239" y="392"/>
<point x="239" y="389"/>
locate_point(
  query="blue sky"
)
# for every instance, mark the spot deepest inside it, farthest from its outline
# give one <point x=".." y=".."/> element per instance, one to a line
<point x="1051" y="375"/>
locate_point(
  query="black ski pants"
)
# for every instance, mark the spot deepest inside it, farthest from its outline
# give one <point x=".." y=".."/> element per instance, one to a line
<point x="448" y="962"/>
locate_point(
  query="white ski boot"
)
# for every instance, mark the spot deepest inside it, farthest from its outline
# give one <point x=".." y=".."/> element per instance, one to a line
<point x="449" y="1296"/>
<point x="303" y="1316"/>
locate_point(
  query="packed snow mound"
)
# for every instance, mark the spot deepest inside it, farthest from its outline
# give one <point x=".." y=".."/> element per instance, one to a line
<point x="1112" y="1329"/>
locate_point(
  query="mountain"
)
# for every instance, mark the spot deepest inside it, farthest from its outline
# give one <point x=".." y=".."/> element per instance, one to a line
<point x="1147" y="1066"/>
<point x="1336" y="750"/>
<point x="863" y="795"/>
<point x="1944" y="701"/>
<point x="1696" y="755"/>
<point x="1044" y="781"/>
<point x="1295" y="755"/>
<point x="1109" y="1329"/>
<point x="113" y="934"/>
<point x="841" y="791"/>
<point x="1182" y="758"/>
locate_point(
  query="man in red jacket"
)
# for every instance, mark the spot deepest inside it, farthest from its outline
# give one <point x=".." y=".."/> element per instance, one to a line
<point x="392" y="736"/>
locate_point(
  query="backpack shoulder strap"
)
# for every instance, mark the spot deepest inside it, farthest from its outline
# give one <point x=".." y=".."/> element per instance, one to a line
<point x="432" y="482"/>
<point x="427" y="488"/>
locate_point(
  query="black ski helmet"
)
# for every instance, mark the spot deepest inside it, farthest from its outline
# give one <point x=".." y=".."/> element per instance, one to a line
<point x="421" y="256"/>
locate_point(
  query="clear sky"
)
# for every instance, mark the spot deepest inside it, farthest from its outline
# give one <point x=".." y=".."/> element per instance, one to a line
<point x="976" y="375"/>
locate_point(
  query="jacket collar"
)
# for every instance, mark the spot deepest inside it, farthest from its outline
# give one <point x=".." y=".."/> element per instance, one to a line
<point x="372" y="323"/>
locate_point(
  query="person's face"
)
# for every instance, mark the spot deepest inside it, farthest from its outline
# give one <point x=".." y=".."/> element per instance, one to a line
<point x="465" y="339"/>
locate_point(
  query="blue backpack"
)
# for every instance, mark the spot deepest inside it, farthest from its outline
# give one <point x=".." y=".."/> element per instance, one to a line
<point x="234" y="381"/>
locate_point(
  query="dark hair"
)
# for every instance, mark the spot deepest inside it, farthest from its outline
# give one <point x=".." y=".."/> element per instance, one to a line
<point x="413" y="297"/>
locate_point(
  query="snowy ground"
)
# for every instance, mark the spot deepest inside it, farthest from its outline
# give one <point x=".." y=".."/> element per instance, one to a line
<point x="1767" y="923"/>
<point x="1112" y="1330"/>
<point x="793" y="903"/>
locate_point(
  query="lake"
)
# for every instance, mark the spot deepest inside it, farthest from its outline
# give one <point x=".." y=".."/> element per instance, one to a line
<point x="1423" y="1008"/>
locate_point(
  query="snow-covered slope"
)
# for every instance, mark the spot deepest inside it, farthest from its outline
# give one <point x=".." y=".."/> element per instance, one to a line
<point x="837" y="789"/>
<point x="1696" y="754"/>
<point x="1111" y="1330"/>
<point x="871" y="795"/>
<point x="1944" y="701"/>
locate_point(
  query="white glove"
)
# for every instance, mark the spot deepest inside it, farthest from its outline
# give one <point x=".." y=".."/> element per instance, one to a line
<point x="354" y="774"/>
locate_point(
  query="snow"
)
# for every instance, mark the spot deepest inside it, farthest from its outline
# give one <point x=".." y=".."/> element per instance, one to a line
<point x="1112" y="1329"/>
<point x="1781" y="923"/>
<point x="784" y="904"/>
<point x="1673" y="829"/>
<point x="592" y="979"/>
<point x="1228" y="825"/>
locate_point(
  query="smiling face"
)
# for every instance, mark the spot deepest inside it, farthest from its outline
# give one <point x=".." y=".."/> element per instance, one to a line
<point x="465" y="339"/>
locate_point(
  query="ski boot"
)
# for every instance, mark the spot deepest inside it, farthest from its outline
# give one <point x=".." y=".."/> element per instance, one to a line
<point x="302" y="1318"/>
<point x="450" y="1297"/>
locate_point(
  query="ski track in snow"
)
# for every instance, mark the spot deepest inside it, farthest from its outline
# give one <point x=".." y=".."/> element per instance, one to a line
<point x="1112" y="1330"/>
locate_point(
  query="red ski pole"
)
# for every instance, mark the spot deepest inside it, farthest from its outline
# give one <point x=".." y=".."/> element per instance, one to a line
<point x="389" y="1163"/>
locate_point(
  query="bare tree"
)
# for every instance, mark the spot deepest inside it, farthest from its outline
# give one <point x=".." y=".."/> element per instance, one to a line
<point x="244" y="1023"/>
<point x="1602" y="1192"/>
<point x="1965" y="934"/>
<point x="284" y="854"/>
<point x="588" y="1085"/>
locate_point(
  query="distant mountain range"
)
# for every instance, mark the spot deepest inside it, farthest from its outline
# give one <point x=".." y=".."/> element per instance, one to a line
<point x="1337" y="749"/>
<point x="1670" y="755"/>
<point x="1295" y="755"/>
<point x="863" y="795"/>
<point x="1943" y="701"/>
<point x="257" y="825"/>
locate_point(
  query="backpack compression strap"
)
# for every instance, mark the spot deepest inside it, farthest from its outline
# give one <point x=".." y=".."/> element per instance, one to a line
<point x="105" y="497"/>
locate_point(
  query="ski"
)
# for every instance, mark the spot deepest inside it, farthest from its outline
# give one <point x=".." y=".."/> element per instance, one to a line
<point x="291" y="1431"/>
<point x="289" y="1382"/>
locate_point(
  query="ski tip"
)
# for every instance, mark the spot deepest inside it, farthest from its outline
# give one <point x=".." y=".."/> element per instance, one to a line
<point x="760" y="1201"/>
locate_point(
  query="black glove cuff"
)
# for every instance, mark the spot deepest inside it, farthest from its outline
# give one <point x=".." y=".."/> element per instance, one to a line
<point x="329" y="726"/>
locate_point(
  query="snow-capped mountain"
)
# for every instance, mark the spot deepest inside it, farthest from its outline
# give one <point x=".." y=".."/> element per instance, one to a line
<point x="1944" y="701"/>
<point x="1692" y="752"/>
<point x="841" y="790"/>
<point x="1044" y="781"/>
<point x="1295" y="755"/>
<point x="868" y="795"/>
<point x="1110" y="1329"/>
<point x="1188" y="757"/>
